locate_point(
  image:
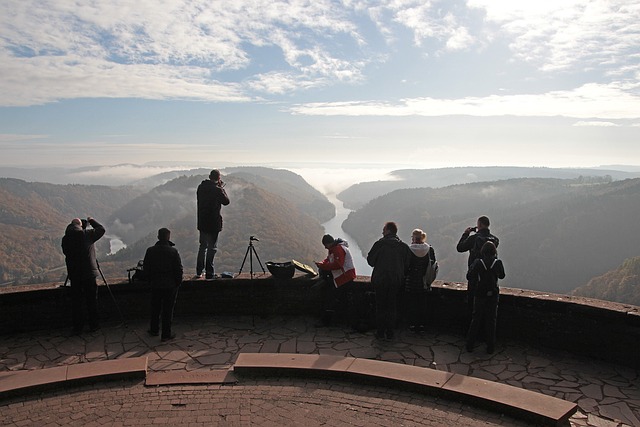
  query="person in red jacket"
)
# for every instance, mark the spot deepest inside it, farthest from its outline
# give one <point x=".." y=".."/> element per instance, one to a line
<point x="340" y="288"/>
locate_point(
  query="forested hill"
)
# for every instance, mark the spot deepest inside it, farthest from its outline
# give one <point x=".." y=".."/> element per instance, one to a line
<point x="358" y="195"/>
<point x="555" y="235"/>
<point x="621" y="284"/>
<point x="284" y="231"/>
<point x="33" y="217"/>
<point x="289" y="186"/>
<point x="270" y="204"/>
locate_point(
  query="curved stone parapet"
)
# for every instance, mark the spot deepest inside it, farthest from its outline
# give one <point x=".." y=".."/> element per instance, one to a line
<point x="600" y="329"/>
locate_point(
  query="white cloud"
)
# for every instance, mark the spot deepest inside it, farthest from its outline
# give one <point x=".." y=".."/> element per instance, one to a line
<point x="561" y="34"/>
<point x="614" y="101"/>
<point x="8" y="137"/>
<point x="52" y="49"/>
<point x="596" y="124"/>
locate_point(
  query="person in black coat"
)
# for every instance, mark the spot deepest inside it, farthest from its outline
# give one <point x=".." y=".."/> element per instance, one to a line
<point x="486" y="271"/>
<point x="389" y="257"/>
<point x="415" y="293"/>
<point x="82" y="270"/>
<point x="211" y="197"/>
<point x="473" y="243"/>
<point x="163" y="267"/>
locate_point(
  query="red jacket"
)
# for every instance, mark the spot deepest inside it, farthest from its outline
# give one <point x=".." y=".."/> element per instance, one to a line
<point x="340" y="262"/>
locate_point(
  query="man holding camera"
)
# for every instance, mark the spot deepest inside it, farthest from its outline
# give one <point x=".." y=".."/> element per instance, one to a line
<point x="211" y="197"/>
<point x="473" y="243"/>
<point x="82" y="270"/>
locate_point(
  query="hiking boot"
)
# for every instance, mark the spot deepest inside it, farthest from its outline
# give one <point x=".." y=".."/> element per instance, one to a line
<point x="152" y="333"/>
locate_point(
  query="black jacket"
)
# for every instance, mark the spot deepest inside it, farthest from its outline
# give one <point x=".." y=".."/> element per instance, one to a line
<point x="473" y="243"/>
<point x="389" y="258"/>
<point x="79" y="250"/>
<point x="418" y="264"/>
<point x="486" y="272"/>
<point x="211" y="197"/>
<point x="162" y="265"/>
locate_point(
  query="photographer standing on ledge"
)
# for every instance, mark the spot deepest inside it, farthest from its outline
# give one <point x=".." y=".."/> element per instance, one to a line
<point x="82" y="270"/>
<point x="474" y="243"/>
<point x="211" y="198"/>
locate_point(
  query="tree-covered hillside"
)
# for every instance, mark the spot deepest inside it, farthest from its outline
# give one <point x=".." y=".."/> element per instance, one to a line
<point x="277" y="206"/>
<point x="621" y="284"/>
<point x="554" y="234"/>
<point x="285" y="232"/>
<point x="33" y="217"/>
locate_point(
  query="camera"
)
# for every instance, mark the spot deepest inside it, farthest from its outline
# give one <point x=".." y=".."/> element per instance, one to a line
<point x="474" y="229"/>
<point x="254" y="238"/>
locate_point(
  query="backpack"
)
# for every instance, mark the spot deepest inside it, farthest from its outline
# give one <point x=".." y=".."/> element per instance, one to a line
<point x="431" y="273"/>
<point x="479" y="242"/>
<point x="487" y="280"/>
<point x="139" y="275"/>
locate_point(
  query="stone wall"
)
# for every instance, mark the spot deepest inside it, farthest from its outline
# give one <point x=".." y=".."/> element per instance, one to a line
<point x="600" y="329"/>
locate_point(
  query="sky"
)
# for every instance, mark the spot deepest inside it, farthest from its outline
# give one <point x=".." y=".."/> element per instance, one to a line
<point x="353" y="82"/>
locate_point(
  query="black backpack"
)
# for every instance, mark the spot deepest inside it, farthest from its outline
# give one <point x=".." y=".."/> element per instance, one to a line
<point x="487" y="279"/>
<point x="479" y="242"/>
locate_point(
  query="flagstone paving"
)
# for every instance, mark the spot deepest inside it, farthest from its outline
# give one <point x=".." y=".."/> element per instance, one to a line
<point x="607" y="394"/>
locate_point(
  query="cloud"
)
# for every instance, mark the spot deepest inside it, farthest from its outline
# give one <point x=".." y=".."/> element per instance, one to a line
<point x="596" y="124"/>
<point x="10" y="137"/>
<point x="614" y="101"/>
<point x="561" y="34"/>
<point x="51" y="49"/>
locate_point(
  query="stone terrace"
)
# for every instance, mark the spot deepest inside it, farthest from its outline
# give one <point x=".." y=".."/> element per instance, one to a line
<point x="607" y="393"/>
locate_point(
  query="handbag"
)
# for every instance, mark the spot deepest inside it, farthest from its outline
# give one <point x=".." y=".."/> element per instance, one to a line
<point x="430" y="275"/>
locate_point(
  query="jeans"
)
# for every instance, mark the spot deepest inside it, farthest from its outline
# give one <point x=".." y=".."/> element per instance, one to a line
<point x="206" y="252"/>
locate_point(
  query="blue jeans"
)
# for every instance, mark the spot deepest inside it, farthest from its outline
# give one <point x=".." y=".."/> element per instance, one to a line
<point x="206" y="252"/>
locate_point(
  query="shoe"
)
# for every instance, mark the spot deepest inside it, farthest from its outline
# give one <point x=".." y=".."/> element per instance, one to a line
<point x="152" y="333"/>
<point x="490" y="349"/>
<point x="380" y="335"/>
<point x="389" y="334"/>
<point x="94" y="328"/>
<point x="197" y="276"/>
<point x="168" y="338"/>
<point x="210" y="276"/>
<point x="413" y="328"/>
<point x="74" y="332"/>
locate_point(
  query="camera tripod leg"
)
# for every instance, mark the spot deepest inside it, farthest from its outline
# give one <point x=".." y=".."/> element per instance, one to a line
<point x="245" y="259"/>
<point x="258" y="258"/>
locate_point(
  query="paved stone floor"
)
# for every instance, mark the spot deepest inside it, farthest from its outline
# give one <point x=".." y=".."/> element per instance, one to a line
<point x="607" y="394"/>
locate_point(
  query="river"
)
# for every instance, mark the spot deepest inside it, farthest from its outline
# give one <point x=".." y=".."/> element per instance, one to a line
<point x="334" y="227"/>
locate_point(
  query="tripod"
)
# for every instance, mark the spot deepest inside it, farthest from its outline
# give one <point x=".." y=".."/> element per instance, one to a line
<point x="124" y="322"/>
<point x="251" y="250"/>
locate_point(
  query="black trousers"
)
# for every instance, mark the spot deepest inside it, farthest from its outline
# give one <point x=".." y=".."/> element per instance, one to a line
<point x="347" y="298"/>
<point x="84" y="292"/>
<point x="163" y="301"/>
<point x="415" y="305"/>
<point x="485" y="315"/>
<point x="386" y="305"/>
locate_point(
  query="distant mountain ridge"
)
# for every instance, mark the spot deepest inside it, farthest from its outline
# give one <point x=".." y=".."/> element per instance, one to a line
<point x="358" y="195"/>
